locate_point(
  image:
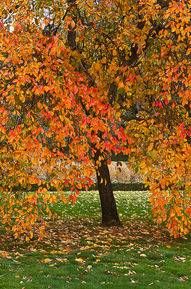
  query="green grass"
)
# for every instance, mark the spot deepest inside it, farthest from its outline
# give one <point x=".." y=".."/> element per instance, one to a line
<point x="130" y="204"/>
<point x="81" y="254"/>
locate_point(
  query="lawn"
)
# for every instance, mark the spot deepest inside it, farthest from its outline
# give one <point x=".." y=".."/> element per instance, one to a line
<point x="79" y="253"/>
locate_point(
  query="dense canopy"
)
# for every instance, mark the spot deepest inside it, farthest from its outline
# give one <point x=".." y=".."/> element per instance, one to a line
<point x="81" y="80"/>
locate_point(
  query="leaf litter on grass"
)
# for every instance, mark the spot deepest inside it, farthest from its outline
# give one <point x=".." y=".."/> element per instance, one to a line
<point x="86" y="246"/>
<point x="85" y="234"/>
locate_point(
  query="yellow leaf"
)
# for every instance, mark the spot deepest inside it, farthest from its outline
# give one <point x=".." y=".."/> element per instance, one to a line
<point x="150" y="147"/>
<point x="79" y="260"/>
<point x="97" y="66"/>
<point x="114" y="53"/>
<point x="46" y="261"/>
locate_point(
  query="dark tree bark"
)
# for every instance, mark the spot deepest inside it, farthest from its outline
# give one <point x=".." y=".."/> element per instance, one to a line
<point x="110" y="215"/>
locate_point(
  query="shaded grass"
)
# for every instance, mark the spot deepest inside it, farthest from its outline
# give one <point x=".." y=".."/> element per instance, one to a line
<point x="80" y="254"/>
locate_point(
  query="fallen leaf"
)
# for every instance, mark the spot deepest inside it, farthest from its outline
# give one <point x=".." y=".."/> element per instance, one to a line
<point x="46" y="261"/>
<point x="79" y="260"/>
<point x="5" y="254"/>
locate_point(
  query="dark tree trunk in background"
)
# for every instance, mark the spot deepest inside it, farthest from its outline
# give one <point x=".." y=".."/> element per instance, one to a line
<point x="110" y="215"/>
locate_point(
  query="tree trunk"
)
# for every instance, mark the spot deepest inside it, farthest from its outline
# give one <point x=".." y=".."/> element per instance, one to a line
<point x="110" y="215"/>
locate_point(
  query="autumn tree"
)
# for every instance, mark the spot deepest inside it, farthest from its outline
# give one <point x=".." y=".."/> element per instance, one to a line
<point x="81" y="80"/>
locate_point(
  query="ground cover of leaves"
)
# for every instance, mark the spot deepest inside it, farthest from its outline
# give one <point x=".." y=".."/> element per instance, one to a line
<point x="79" y="253"/>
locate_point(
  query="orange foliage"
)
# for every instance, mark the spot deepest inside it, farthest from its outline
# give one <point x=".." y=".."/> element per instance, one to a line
<point x="124" y="86"/>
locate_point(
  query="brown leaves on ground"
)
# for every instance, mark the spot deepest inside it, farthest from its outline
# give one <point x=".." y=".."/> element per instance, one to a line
<point x="64" y="236"/>
<point x="88" y="235"/>
<point x="79" y="237"/>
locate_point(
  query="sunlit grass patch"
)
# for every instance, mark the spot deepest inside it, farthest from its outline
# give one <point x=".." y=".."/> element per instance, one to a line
<point x="131" y="204"/>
